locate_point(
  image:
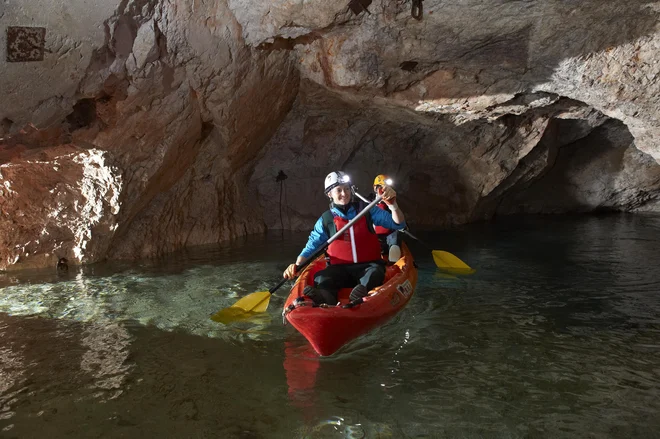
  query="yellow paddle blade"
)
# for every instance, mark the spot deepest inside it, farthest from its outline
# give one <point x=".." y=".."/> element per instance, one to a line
<point x="255" y="302"/>
<point x="244" y="308"/>
<point x="444" y="275"/>
<point x="446" y="260"/>
<point x="231" y="315"/>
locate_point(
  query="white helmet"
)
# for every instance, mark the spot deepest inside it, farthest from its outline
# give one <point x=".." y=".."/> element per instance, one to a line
<point x="334" y="179"/>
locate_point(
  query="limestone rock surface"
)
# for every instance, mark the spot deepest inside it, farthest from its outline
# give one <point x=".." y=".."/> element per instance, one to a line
<point x="151" y="125"/>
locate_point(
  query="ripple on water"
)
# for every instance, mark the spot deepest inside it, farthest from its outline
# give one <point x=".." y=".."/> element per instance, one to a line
<point x="556" y="339"/>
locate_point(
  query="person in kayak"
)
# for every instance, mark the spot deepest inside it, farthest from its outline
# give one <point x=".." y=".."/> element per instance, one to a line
<point x="390" y="240"/>
<point x="354" y="260"/>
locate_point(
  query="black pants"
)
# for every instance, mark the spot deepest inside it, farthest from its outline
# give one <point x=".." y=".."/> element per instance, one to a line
<point x="335" y="277"/>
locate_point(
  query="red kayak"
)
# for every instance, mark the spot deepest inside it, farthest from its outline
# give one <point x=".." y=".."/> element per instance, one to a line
<point x="328" y="329"/>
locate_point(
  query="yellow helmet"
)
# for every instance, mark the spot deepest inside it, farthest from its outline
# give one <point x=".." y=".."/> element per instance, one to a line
<point x="382" y="180"/>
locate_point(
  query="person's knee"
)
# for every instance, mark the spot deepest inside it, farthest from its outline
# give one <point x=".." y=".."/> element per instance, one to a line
<point x="375" y="274"/>
<point x="378" y="267"/>
<point x="323" y="279"/>
<point x="322" y="282"/>
<point x="394" y="253"/>
<point x="320" y="295"/>
<point x="376" y="279"/>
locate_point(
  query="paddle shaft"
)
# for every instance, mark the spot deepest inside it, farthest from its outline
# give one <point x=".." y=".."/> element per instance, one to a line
<point x="329" y="241"/>
<point x="416" y="238"/>
<point x="402" y="231"/>
<point x="456" y="264"/>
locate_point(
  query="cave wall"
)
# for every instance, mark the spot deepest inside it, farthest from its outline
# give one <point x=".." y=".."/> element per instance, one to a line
<point x="602" y="171"/>
<point x="169" y="101"/>
<point x="559" y="156"/>
<point x="151" y="125"/>
<point x="465" y="58"/>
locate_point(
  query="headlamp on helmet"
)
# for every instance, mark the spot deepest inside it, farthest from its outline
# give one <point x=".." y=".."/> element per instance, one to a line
<point x="334" y="179"/>
<point x="382" y="180"/>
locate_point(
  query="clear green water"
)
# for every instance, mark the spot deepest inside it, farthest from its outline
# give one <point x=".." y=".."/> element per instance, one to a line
<point x="556" y="335"/>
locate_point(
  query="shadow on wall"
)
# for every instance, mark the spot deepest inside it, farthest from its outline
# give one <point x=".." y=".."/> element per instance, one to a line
<point x="308" y="148"/>
<point x="532" y="167"/>
<point x="561" y="158"/>
<point x="429" y="185"/>
<point x="436" y="172"/>
<point x="601" y="171"/>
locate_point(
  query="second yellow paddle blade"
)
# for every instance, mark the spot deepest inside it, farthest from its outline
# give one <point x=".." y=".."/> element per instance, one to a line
<point x="244" y="308"/>
<point x="230" y="315"/>
<point x="447" y="260"/>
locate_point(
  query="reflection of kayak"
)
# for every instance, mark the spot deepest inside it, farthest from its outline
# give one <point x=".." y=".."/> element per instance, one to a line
<point x="301" y="365"/>
<point x="328" y="329"/>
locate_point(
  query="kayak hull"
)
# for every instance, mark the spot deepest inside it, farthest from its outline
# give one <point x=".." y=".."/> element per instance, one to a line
<point x="328" y="329"/>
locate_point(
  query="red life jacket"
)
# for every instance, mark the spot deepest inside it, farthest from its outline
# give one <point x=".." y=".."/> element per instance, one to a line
<point x="379" y="229"/>
<point x="357" y="244"/>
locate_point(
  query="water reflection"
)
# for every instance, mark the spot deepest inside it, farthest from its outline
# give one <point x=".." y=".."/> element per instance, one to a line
<point x="301" y="363"/>
<point x="556" y="335"/>
<point x="168" y="302"/>
<point x="48" y="366"/>
<point x="12" y="371"/>
<point x="105" y="357"/>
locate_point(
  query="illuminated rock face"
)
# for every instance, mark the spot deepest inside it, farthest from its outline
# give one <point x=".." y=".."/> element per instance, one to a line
<point x="145" y="126"/>
<point x="136" y="134"/>
<point x="60" y="202"/>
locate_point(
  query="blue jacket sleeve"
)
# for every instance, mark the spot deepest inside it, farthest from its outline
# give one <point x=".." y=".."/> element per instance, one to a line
<point x="316" y="239"/>
<point x="383" y="218"/>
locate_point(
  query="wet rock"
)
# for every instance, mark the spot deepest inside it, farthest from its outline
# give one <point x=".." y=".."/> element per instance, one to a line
<point x="149" y="126"/>
<point x="53" y="203"/>
<point x="62" y="265"/>
<point x="173" y="101"/>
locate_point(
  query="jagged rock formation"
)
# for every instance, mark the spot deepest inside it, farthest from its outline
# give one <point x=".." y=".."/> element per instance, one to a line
<point x="151" y="125"/>
<point x="173" y="103"/>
